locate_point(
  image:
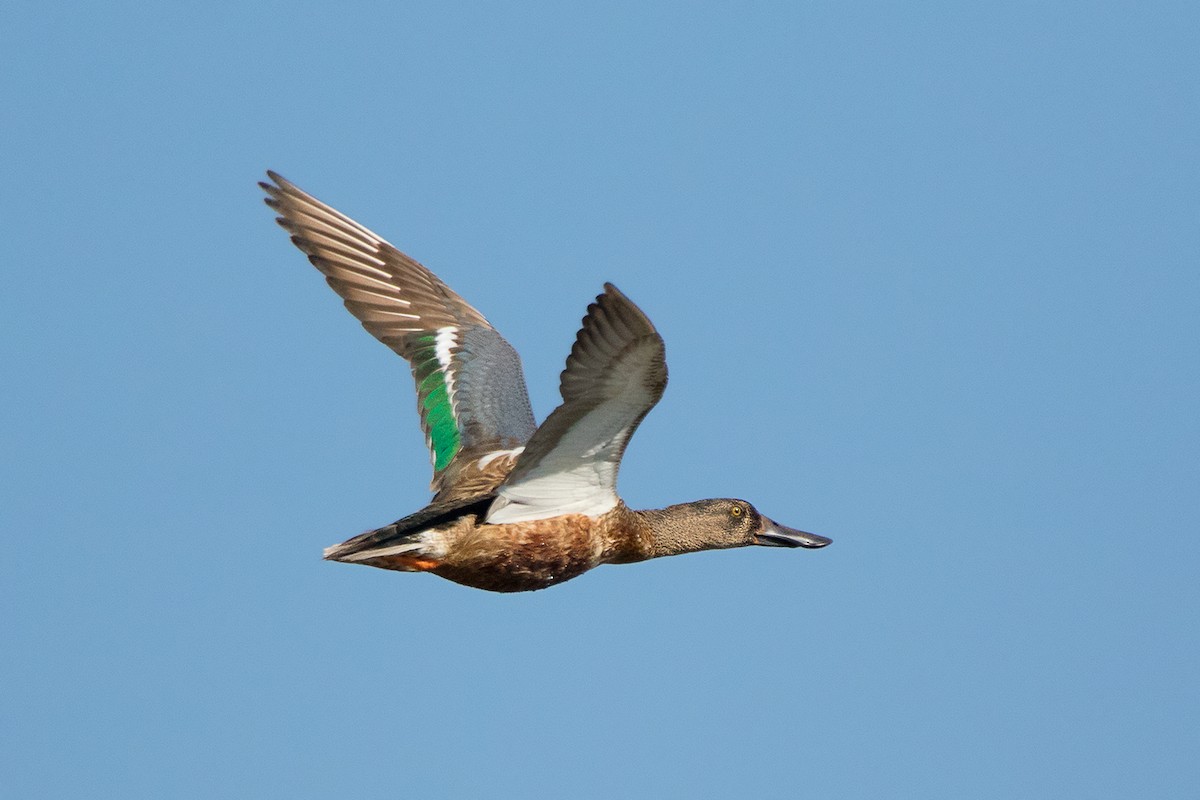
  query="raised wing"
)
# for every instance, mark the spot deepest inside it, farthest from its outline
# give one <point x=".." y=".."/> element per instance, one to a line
<point x="615" y="374"/>
<point x="470" y="387"/>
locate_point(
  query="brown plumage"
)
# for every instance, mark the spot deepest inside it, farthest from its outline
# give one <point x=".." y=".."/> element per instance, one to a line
<point x="470" y="480"/>
<point x="518" y="507"/>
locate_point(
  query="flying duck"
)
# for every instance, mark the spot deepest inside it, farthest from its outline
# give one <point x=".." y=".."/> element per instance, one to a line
<point x="517" y="506"/>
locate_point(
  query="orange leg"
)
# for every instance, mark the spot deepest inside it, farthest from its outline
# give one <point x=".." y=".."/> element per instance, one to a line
<point x="409" y="563"/>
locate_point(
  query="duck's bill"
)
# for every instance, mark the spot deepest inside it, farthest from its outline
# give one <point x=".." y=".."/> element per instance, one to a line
<point x="775" y="535"/>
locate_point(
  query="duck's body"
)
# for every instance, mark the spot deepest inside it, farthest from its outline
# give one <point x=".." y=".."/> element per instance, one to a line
<point x="517" y="506"/>
<point x="506" y="557"/>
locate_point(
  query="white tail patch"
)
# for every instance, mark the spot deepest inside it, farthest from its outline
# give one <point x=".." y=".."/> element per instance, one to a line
<point x="426" y="543"/>
<point x="378" y="552"/>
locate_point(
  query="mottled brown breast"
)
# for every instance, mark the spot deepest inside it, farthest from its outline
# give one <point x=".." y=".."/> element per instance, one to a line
<point x="524" y="556"/>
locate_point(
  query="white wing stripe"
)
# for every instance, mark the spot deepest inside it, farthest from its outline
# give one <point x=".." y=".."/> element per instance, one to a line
<point x="490" y="457"/>
<point x="446" y="339"/>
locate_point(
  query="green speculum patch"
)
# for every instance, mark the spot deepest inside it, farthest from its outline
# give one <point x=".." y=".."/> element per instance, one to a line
<point x="436" y="409"/>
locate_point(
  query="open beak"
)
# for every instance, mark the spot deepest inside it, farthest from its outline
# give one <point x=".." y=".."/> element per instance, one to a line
<point x="775" y="535"/>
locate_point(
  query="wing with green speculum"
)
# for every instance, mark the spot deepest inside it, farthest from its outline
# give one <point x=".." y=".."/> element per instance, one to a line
<point x="471" y="391"/>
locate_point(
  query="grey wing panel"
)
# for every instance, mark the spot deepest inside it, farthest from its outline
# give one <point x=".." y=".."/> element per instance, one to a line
<point x="493" y="405"/>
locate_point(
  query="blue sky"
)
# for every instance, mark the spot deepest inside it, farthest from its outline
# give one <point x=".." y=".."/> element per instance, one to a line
<point x="928" y="279"/>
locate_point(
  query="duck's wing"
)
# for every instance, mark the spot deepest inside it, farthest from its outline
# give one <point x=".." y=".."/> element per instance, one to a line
<point x="615" y="374"/>
<point x="471" y="391"/>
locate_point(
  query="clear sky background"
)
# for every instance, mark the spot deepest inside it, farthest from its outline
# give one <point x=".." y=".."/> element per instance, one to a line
<point x="929" y="279"/>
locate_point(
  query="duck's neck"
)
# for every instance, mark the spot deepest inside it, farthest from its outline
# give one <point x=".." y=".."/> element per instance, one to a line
<point x="673" y="531"/>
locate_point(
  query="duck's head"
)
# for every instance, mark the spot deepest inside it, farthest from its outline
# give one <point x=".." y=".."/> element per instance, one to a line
<point x="724" y="522"/>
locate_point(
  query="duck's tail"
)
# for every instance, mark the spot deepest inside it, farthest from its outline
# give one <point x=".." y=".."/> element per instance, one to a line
<point x="412" y="544"/>
<point x="381" y="542"/>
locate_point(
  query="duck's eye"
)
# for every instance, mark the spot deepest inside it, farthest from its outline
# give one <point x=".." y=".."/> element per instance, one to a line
<point x="736" y="511"/>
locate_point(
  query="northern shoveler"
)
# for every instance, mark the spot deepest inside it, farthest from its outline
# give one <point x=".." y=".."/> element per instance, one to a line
<point x="517" y="506"/>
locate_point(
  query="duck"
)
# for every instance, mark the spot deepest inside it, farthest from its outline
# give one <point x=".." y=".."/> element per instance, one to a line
<point x="516" y="506"/>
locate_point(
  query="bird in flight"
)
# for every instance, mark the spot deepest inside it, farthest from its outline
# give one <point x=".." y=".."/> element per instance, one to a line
<point x="517" y="506"/>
